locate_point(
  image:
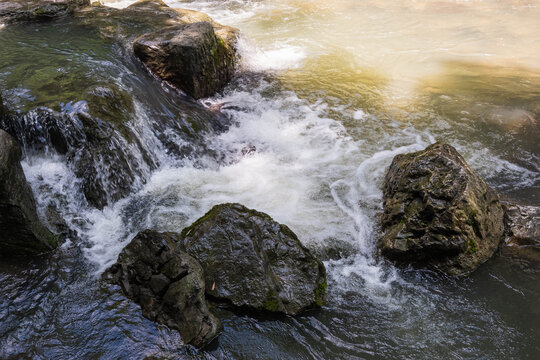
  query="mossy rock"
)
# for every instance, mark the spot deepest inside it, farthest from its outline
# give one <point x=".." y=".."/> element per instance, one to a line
<point x="35" y="10"/>
<point x="251" y="261"/>
<point x="439" y="213"/>
<point x="190" y="57"/>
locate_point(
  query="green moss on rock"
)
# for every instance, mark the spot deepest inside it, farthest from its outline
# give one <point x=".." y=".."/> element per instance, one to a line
<point x="320" y="292"/>
<point x="254" y="261"/>
<point x="271" y="303"/>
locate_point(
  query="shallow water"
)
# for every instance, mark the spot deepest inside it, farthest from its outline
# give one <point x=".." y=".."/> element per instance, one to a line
<point x="328" y="93"/>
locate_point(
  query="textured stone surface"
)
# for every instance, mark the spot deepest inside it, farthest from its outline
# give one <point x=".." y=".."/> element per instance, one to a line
<point x="21" y="231"/>
<point x="190" y="57"/>
<point x="523" y="224"/>
<point x="438" y="212"/>
<point x="167" y="283"/>
<point x="250" y="260"/>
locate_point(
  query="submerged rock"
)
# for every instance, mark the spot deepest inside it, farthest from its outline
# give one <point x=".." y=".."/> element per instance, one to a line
<point x="167" y="283"/>
<point x="523" y="223"/>
<point x="190" y="57"/>
<point x="251" y="261"/>
<point x="438" y="212"/>
<point x="28" y="10"/>
<point x="523" y="242"/>
<point x="21" y="231"/>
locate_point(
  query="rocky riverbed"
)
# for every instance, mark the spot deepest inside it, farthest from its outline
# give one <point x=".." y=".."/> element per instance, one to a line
<point x="173" y="187"/>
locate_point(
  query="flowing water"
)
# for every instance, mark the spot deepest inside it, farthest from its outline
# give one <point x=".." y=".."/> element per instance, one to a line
<point x="328" y="92"/>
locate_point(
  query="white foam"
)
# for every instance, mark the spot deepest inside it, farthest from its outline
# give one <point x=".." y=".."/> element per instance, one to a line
<point x="359" y="115"/>
<point x="280" y="56"/>
<point x="53" y="183"/>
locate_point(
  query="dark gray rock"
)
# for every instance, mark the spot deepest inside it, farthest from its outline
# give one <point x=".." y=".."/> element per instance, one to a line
<point x="32" y="10"/>
<point x="523" y="237"/>
<point x="523" y="224"/>
<point x="167" y="283"/>
<point x="438" y="212"/>
<point x="251" y="261"/>
<point x="21" y="231"/>
<point x="4" y="112"/>
<point x="190" y="57"/>
<point x="100" y="148"/>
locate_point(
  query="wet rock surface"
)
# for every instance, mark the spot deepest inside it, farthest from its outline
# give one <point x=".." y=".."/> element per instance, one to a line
<point x="146" y="16"/>
<point x="186" y="48"/>
<point x="105" y="155"/>
<point x="31" y="10"/>
<point x="251" y="261"/>
<point x="523" y="223"/>
<point x="94" y="128"/>
<point x="21" y="231"/>
<point x="191" y="57"/>
<point x="167" y="283"/>
<point x="439" y="213"/>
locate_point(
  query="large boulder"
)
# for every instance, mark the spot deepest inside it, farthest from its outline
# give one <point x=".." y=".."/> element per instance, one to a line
<point x="251" y="261"/>
<point x="21" y="231"/>
<point x="167" y="283"/>
<point x="438" y="212"/>
<point x="28" y="10"/>
<point x="190" y="57"/>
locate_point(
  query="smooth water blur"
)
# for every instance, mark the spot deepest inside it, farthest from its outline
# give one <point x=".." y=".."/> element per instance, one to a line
<point x="328" y="93"/>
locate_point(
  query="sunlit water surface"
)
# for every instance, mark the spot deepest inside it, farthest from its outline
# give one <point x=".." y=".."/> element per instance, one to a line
<point x="328" y="92"/>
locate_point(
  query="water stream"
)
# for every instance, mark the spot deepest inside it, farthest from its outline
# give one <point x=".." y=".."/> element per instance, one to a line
<point x="328" y="93"/>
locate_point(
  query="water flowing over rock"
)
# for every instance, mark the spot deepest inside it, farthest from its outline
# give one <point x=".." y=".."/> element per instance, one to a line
<point x="191" y="57"/>
<point x="252" y="261"/>
<point x="27" y="10"/>
<point x="108" y="159"/>
<point x="439" y="212"/>
<point x="167" y="283"/>
<point x="21" y="232"/>
<point x="186" y="48"/>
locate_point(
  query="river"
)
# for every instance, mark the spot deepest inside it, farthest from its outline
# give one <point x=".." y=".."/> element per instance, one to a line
<point x="328" y="92"/>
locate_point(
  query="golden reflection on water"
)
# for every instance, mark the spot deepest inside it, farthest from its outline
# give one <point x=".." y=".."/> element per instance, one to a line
<point x="392" y="56"/>
<point x="508" y="96"/>
<point x="404" y="42"/>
